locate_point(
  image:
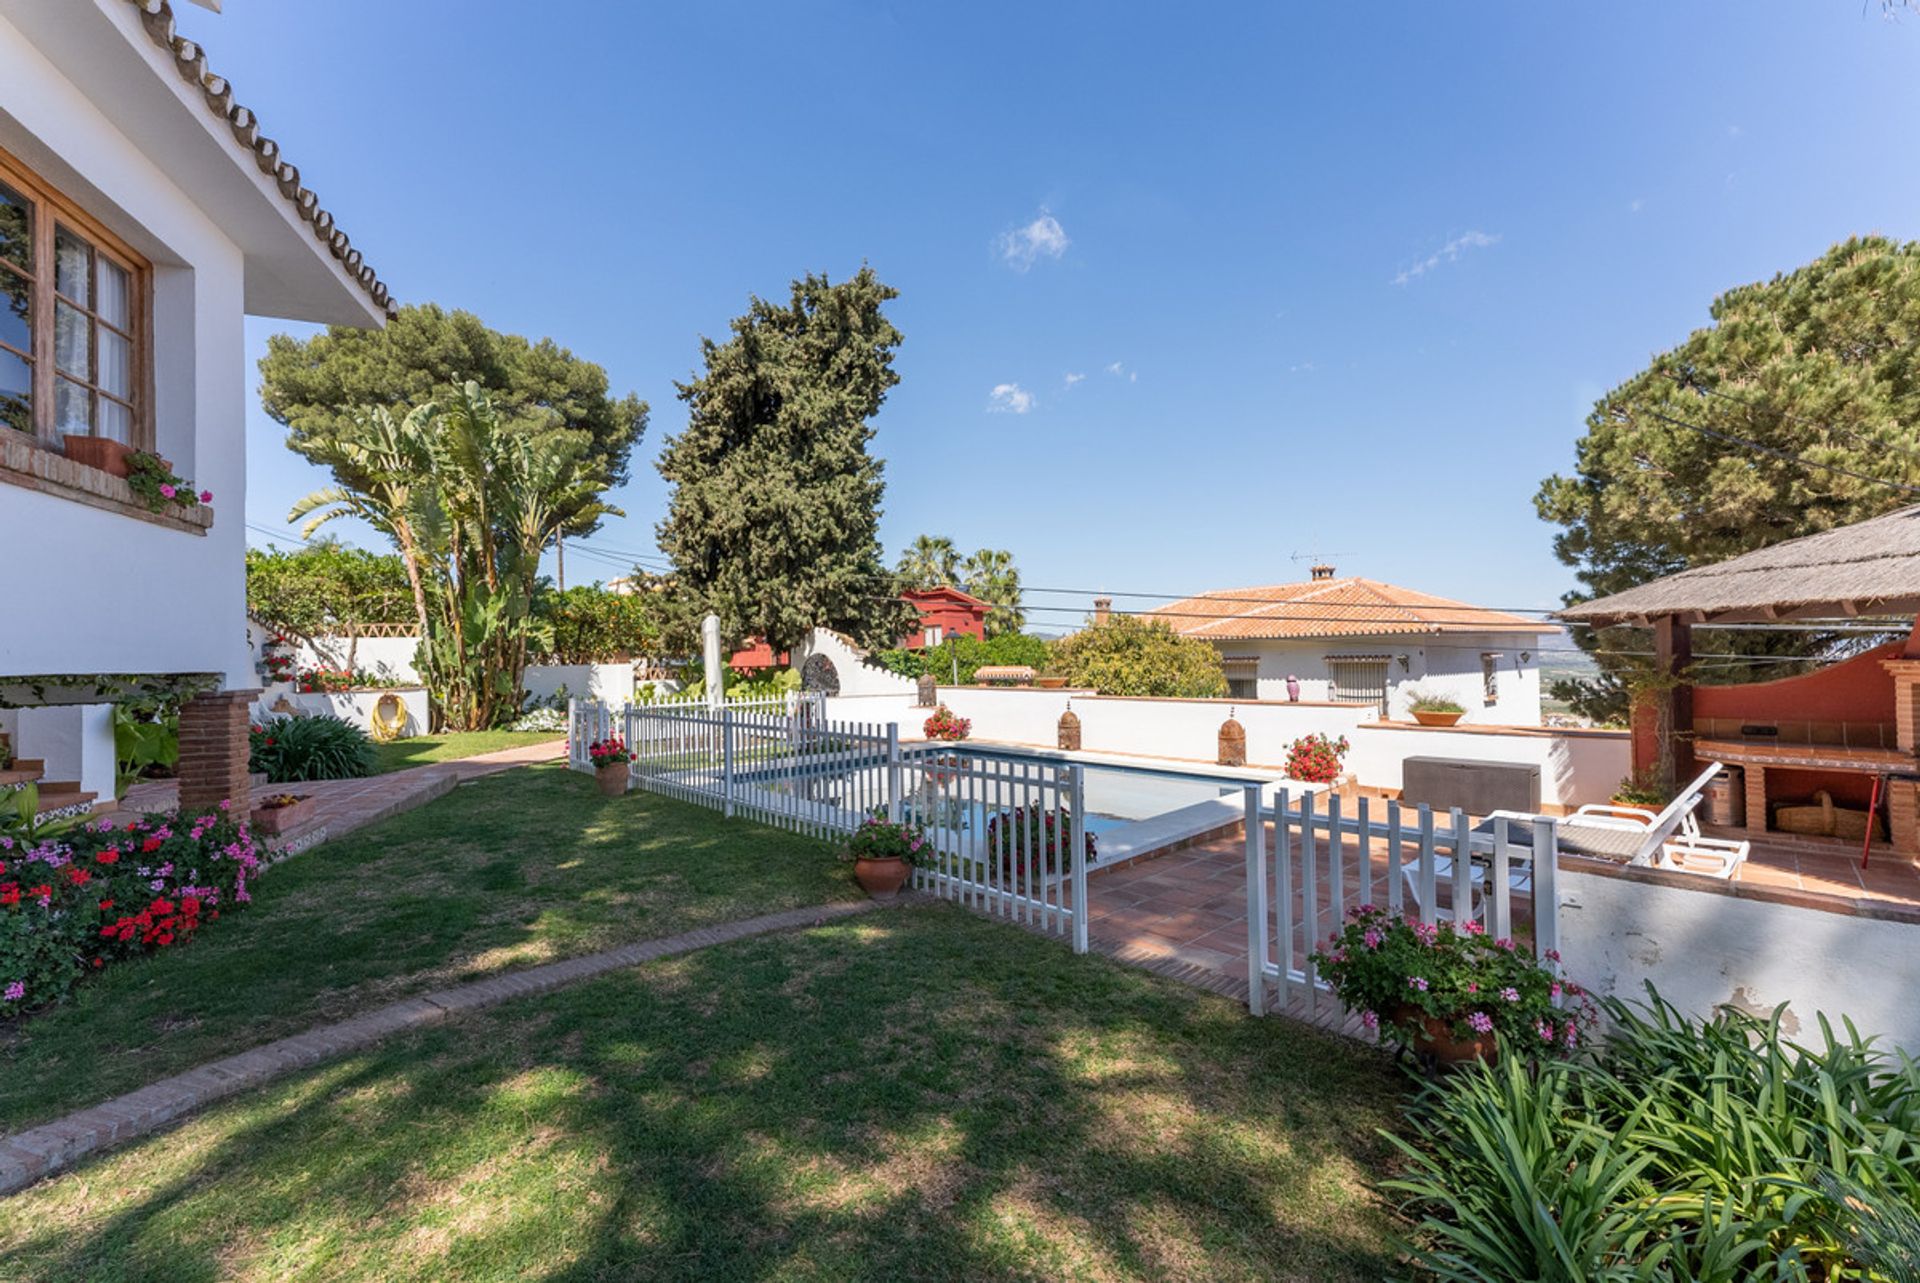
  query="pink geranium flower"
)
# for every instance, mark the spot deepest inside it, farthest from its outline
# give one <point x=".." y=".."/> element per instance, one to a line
<point x="206" y="496"/>
<point x="166" y="490"/>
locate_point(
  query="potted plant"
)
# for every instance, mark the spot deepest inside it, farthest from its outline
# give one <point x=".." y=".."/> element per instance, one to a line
<point x="155" y="484"/>
<point x="1430" y="709"/>
<point x="1050" y="681"/>
<point x="945" y="725"/>
<point x="282" y="813"/>
<point x="612" y="768"/>
<point x="1315" y="759"/>
<point x="104" y="453"/>
<point x="1643" y="788"/>
<point x="1448" y="992"/>
<point x="883" y="853"/>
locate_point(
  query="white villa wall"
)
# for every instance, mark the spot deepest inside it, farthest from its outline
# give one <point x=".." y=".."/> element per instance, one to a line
<point x="858" y="679"/>
<point x="1576" y="766"/>
<point x="1702" y="949"/>
<point x="1441" y="664"/>
<point x="74" y="740"/>
<point x="178" y="599"/>
<point x="611" y="684"/>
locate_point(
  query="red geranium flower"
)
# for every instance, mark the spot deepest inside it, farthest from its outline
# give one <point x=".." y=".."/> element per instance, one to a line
<point x="149" y="846"/>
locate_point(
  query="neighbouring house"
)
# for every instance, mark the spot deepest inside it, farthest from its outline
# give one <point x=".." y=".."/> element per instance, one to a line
<point x="144" y="214"/>
<point x="944" y="612"/>
<point x="1362" y="641"/>
<point x="1849" y="730"/>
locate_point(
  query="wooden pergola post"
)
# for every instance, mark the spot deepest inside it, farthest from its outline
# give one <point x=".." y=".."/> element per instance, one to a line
<point x="1673" y="699"/>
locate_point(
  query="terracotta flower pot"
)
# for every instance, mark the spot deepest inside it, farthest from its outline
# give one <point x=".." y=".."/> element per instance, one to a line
<point x="1049" y="683"/>
<point x="612" y="778"/>
<point x="1433" y="717"/>
<point x="276" y="820"/>
<point x="881" y="879"/>
<point x="1434" y="1038"/>
<point x="104" y="453"/>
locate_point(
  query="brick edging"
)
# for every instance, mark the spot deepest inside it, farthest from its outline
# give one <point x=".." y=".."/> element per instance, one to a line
<point x="39" y="1152"/>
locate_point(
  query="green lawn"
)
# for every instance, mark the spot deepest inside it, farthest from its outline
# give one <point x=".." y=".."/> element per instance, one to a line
<point x="507" y="871"/>
<point x="398" y="755"/>
<point x="915" y="1094"/>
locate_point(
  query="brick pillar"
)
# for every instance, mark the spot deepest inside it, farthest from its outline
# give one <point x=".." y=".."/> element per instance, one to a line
<point x="1906" y="701"/>
<point x="1903" y="818"/>
<point x="214" y="752"/>
<point x="1756" y="798"/>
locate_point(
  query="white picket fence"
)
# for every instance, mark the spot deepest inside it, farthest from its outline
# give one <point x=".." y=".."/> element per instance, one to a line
<point x="1307" y="866"/>
<point x="1003" y="837"/>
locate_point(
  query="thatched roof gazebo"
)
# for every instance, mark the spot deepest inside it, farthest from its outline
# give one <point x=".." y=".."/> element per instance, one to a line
<point x="1867" y="570"/>
<point x="1870" y="568"/>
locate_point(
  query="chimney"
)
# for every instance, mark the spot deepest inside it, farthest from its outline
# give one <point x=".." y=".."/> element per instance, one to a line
<point x="1322" y="571"/>
<point x="1102" y="607"/>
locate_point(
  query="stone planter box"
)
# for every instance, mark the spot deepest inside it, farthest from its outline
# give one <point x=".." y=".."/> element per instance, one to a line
<point x="272" y="821"/>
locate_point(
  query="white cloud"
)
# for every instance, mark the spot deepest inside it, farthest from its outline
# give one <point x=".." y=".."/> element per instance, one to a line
<point x="1635" y="205"/>
<point x="1073" y="378"/>
<point x="1042" y="238"/>
<point x="1119" y="370"/>
<point x="1447" y="253"/>
<point x="1009" y="398"/>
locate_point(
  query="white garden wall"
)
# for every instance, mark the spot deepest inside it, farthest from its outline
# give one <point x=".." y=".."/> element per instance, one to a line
<point x="1576" y="766"/>
<point x="357" y="706"/>
<point x="74" y="740"/>
<point x="1703" y="948"/>
<point x="858" y="679"/>
<point x="611" y="684"/>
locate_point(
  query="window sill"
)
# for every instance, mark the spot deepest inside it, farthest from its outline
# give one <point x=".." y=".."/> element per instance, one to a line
<point x="25" y="462"/>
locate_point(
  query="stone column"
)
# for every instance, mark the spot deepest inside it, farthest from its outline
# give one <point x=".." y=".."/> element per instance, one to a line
<point x="214" y="752"/>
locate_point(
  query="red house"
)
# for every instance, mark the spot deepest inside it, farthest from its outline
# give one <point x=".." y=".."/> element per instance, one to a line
<point x="944" y="612"/>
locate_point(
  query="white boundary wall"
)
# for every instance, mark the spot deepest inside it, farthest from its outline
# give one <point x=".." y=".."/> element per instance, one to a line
<point x="1576" y="766"/>
<point x="1703" y="949"/>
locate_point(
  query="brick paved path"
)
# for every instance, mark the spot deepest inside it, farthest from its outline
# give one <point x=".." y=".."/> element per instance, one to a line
<point x="30" y="1155"/>
<point x="346" y="805"/>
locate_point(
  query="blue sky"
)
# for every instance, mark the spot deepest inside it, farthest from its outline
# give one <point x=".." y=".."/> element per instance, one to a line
<point x="1273" y="282"/>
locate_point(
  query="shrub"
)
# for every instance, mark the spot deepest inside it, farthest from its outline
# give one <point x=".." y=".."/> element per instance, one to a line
<point x="98" y="893"/>
<point x="1394" y="970"/>
<point x="1687" y="1150"/>
<point x="957" y="659"/>
<point x="1315" y="759"/>
<point x="1423" y="701"/>
<point x="881" y="839"/>
<point x="1128" y="655"/>
<point x="946" y="725"/>
<point x="155" y="484"/>
<point x="1024" y="836"/>
<point x="1644" y="787"/>
<point x="331" y="680"/>
<point x="299" y="747"/>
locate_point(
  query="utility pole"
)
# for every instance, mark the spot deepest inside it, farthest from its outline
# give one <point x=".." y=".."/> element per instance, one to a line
<point x="560" y="555"/>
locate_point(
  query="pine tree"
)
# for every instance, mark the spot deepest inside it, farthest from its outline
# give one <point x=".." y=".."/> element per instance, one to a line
<point x="1821" y="366"/>
<point x="774" y="519"/>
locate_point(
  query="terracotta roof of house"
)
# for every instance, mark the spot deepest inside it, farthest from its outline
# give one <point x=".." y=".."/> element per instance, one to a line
<point x="1332" y="608"/>
<point x="947" y="591"/>
<point x="190" y="60"/>
<point x="1871" y="567"/>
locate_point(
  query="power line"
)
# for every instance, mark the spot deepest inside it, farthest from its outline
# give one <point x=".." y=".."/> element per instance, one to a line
<point x="1691" y="382"/>
<point x="1785" y="455"/>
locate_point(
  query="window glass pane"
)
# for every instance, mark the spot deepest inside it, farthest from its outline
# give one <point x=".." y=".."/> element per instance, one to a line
<point x="16" y="392"/>
<point x="16" y="228"/>
<point x="16" y="310"/>
<point x="116" y="421"/>
<point x="72" y="408"/>
<point x="70" y="341"/>
<point x="115" y="285"/>
<point x="72" y="264"/>
<point x="116" y="364"/>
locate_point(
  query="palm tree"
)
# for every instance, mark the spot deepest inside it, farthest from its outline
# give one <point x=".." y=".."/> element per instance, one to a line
<point x="932" y="562"/>
<point x="991" y="576"/>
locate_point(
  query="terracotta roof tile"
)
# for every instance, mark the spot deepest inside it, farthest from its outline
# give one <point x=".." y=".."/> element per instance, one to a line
<point x="1332" y="608"/>
<point x="190" y="60"/>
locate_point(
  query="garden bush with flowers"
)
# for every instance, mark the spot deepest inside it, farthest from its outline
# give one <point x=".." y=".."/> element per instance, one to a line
<point x="1027" y="836"/>
<point x="945" y="724"/>
<point x="1393" y="970"/>
<point x="102" y="892"/>
<point x="1315" y="759"/>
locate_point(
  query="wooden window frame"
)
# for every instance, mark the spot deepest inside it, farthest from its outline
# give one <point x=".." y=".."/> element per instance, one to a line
<point x="1490" y="676"/>
<point x="51" y="211"/>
